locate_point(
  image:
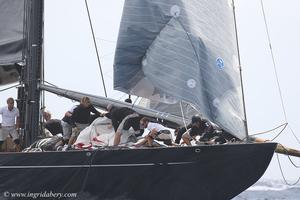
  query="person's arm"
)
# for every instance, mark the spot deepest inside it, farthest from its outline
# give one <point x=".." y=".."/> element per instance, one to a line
<point x="96" y="112"/>
<point x="17" y="122"/>
<point x="153" y="133"/>
<point x="18" y="119"/>
<point x="68" y="114"/>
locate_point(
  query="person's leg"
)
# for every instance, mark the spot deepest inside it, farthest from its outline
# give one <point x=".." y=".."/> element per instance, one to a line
<point x="180" y="132"/>
<point x="118" y="133"/>
<point x="16" y="138"/>
<point x="75" y="133"/>
<point x="186" y="138"/>
<point x="67" y="131"/>
<point x="117" y="138"/>
<point x="80" y="127"/>
<point x="150" y="140"/>
<point x="18" y="147"/>
<point x="165" y="136"/>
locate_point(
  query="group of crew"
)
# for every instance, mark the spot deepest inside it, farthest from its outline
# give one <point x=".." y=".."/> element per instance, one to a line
<point x="122" y="119"/>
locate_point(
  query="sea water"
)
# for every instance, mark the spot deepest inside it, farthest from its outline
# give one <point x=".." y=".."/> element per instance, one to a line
<point x="270" y="190"/>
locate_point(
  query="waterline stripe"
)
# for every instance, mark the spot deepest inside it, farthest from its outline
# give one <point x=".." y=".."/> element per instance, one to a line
<point x="88" y="166"/>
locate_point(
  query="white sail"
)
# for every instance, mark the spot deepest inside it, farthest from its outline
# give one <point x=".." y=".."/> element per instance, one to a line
<point x="11" y="39"/>
<point x="182" y="50"/>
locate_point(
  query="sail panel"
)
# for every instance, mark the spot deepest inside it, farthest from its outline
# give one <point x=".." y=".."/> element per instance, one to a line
<point x="182" y="50"/>
<point x="11" y="39"/>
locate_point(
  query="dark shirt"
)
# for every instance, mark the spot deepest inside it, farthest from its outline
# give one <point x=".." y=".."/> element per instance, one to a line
<point x="54" y="126"/>
<point x="204" y="127"/>
<point x="118" y="114"/>
<point x="82" y="115"/>
<point x="68" y="120"/>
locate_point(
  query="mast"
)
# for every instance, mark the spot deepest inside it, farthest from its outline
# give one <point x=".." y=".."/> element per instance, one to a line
<point x="240" y="69"/>
<point x="33" y="68"/>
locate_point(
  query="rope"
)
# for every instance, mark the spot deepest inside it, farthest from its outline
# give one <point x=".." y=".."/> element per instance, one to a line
<point x="294" y="135"/>
<point x="279" y="132"/>
<point x="183" y="119"/>
<point x="283" y="176"/>
<point x="96" y="49"/>
<point x="273" y="129"/>
<point x="2" y="90"/>
<point x="273" y="60"/>
<point x="268" y="131"/>
<point x="105" y="40"/>
<point x="275" y="70"/>
<point x="50" y="83"/>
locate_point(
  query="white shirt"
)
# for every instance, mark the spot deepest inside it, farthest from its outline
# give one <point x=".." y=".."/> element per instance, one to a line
<point x="9" y="117"/>
<point x="156" y="126"/>
<point x="72" y="109"/>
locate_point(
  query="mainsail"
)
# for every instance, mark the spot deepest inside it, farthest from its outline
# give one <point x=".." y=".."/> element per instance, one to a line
<point x="182" y="50"/>
<point x="11" y="39"/>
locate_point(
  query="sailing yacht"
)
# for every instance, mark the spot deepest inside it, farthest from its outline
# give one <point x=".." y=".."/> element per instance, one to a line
<point x="170" y="52"/>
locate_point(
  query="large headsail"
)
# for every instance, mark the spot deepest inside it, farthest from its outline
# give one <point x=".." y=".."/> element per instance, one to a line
<point x="182" y="50"/>
<point x="11" y="39"/>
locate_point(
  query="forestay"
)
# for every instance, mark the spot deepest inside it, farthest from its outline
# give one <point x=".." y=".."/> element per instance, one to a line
<point x="182" y="50"/>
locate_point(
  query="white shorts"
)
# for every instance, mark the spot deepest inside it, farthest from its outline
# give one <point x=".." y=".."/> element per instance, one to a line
<point x="164" y="135"/>
<point x="8" y="131"/>
<point x="67" y="130"/>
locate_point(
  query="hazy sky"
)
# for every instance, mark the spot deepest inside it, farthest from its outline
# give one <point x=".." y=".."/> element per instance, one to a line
<point x="71" y="63"/>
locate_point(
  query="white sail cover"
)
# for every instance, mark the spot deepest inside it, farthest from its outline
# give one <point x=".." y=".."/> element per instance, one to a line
<point x="99" y="133"/>
<point x="11" y="38"/>
<point x="182" y="50"/>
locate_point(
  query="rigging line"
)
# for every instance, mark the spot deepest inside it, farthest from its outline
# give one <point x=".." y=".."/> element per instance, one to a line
<point x="50" y="83"/>
<point x="279" y="133"/>
<point x="98" y="38"/>
<point x="106" y="55"/>
<point x="283" y="176"/>
<point x="263" y="132"/>
<point x="2" y="90"/>
<point x="96" y="49"/>
<point x="294" y="134"/>
<point x="240" y="69"/>
<point x="183" y="119"/>
<point x="273" y="60"/>
<point x="275" y="70"/>
<point x="135" y="101"/>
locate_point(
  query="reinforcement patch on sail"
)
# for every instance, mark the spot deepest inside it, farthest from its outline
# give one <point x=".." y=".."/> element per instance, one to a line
<point x="182" y="50"/>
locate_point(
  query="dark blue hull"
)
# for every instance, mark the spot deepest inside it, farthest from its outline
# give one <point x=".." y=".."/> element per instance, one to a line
<point x="199" y="172"/>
